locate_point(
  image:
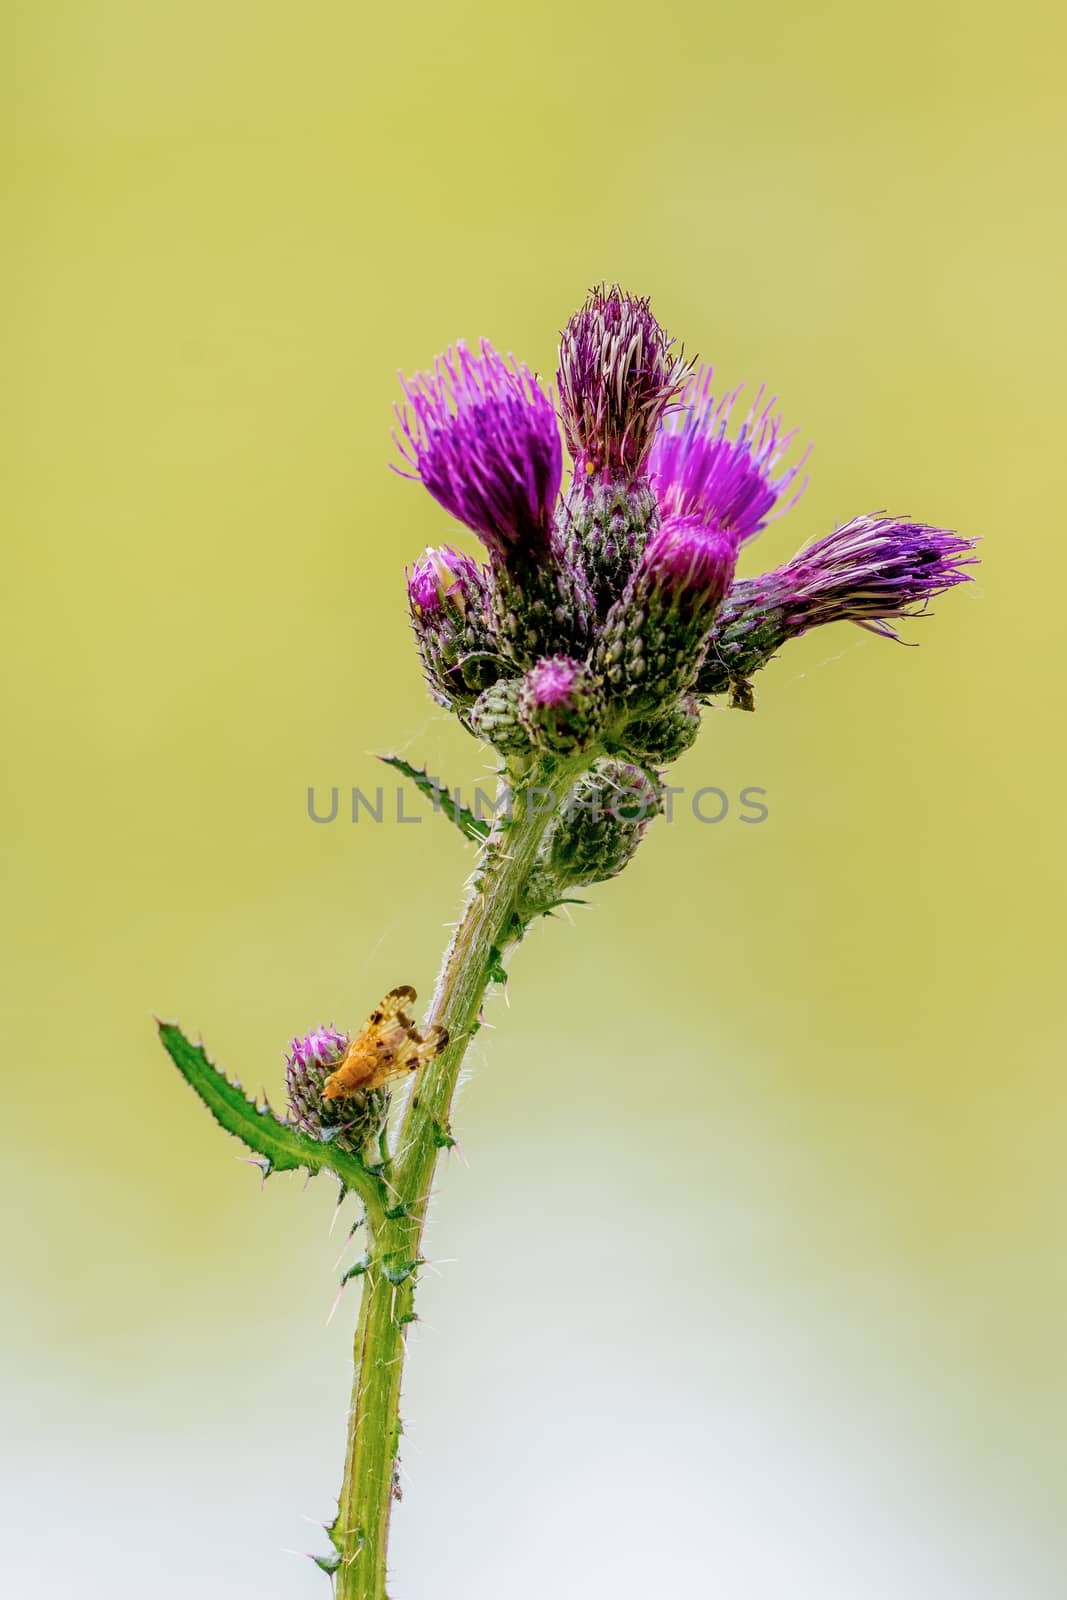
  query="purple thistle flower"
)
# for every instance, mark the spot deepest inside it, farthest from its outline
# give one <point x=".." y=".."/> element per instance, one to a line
<point x="482" y="436"/>
<point x="308" y="1064"/>
<point x="616" y="378"/>
<point x="321" y="1047"/>
<point x="696" y="470"/>
<point x="870" y="571"/>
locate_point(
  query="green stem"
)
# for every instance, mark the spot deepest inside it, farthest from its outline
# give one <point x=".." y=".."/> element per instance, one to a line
<point x="490" y="923"/>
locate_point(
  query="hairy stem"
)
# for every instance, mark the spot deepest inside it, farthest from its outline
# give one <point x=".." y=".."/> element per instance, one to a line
<point x="490" y="923"/>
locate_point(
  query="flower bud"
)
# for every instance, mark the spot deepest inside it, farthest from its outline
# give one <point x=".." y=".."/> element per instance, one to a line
<point x="601" y="825"/>
<point x="560" y="704"/>
<point x="494" y="717"/>
<point x="448" y="601"/>
<point x="351" y="1123"/>
<point x="871" y="571"/>
<point x="653" y="639"/>
<point x="667" y="735"/>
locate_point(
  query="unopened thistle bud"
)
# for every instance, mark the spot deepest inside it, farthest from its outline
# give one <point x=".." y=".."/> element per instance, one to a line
<point x="561" y="704"/>
<point x="697" y="471"/>
<point x="664" y="737"/>
<point x="448" y="600"/>
<point x="601" y="824"/>
<point x="871" y="571"/>
<point x="617" y="377"/>
<point x="653" y="639"/>
<point x="350" y="1123"/>
<point x="494" y="717"/>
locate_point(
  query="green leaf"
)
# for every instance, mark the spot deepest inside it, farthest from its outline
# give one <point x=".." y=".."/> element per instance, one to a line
<point x="281" y="1147"/>
<point x="356" y="1270"/>
<point x="495" y="968"/>
<point x="469" y="825"/>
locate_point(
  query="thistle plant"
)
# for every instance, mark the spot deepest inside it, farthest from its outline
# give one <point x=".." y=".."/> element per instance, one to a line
<point x="583" y="649"/>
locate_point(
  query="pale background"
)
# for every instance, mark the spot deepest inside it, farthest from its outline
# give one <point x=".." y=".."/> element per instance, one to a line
<point x="781" y="1314"/>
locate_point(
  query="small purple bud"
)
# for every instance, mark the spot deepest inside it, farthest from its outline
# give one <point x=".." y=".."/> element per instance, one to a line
<point x="552" y="683"/>
<point x="697" y="471"/>
<point x="561" y="704"/>
<point x="443" y="579"/>
<point x="616" y="378"/>
<point x="482" y="436"/>
<point x="872" y="570"/>
<point x="350" y="1123"/>
<point x="448" y="596"/>
<point x="692" y="563"/>
<point x="653" y="638"/>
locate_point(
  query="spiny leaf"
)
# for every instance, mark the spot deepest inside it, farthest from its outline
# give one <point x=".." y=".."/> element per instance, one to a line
<point x="469" y="825"/>
<point x="396" y="1269"/>
<point x="549" y="908"/>
<point x="495" y="968"/>
<point x="356" y="1270"/>
<point x="282" y="1147"/>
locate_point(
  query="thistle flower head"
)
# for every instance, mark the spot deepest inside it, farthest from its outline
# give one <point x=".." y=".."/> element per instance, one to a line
<point x="871" y="570"/>
<point x="350" y="1123"/>
<point x="482" y="436"/>
<point x="617" y="376"/>
<point x="308" y="1064"/>
<point x="698" y="471"/>
<point x="322" y="1047"/>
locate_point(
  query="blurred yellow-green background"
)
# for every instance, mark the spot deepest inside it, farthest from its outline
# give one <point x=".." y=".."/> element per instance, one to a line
<point x="782" y="1316"/>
